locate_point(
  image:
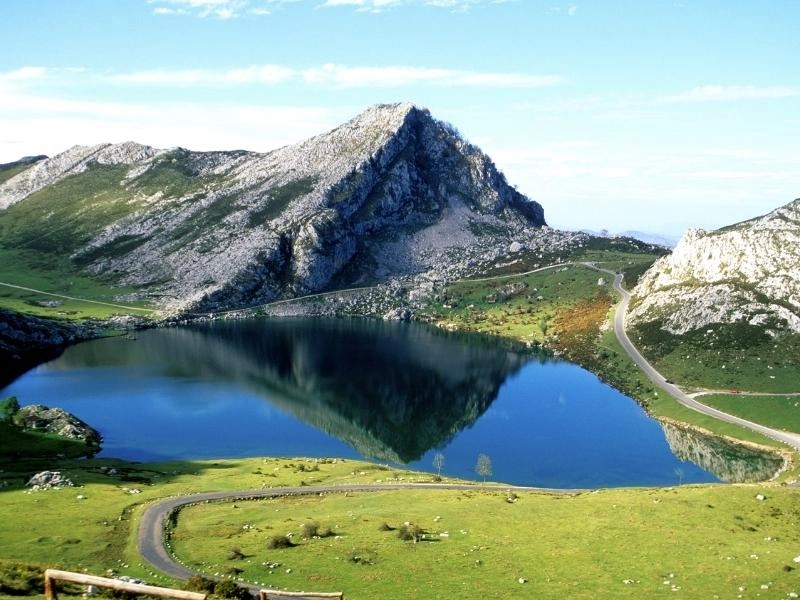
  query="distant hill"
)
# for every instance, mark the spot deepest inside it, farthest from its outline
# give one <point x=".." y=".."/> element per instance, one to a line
<point x="746" y="273"/>
<point x="393" y="192"/>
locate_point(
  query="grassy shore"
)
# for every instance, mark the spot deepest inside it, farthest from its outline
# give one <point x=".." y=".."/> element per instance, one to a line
<point x="701" y="540"/>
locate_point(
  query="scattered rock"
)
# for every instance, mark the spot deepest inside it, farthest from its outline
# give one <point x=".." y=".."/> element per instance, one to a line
<point x="47" y="480"/>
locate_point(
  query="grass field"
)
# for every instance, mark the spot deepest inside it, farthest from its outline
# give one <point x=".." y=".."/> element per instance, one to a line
<point x="778" y="412"/>
<point x="32" y="269"/>
<point x="704" y="540"/>
<point x="482" y="544"/>
<point x="735" y="356"/>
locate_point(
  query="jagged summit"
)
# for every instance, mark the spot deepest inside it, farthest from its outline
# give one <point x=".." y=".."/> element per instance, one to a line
<point x="748" y="273"/>
<point x="391" y="192"/>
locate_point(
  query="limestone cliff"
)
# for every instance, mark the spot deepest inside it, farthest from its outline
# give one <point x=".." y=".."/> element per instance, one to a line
<point x="748" y="272"/>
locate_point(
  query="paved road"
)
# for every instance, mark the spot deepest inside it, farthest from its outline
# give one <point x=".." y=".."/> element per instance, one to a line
<point x="151" y="542"/>
<point x="660" y="381"/>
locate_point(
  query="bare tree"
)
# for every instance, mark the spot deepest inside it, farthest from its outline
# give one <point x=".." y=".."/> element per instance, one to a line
<point x="438" y="463"/>
<point x="484" y="466"/>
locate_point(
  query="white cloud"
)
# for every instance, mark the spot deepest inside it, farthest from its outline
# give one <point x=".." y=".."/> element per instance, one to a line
<point x="23" y="74"/>
<point x="720" y="93"/>
<point x="398" y="76"/>
<point x="255" y="74"/>
<point x="32" y="124"/>
<point x="228" y="9"/>
<point x="572" y="10"/>
<point x="221" y="9"/>
<point x="330" y="75"/>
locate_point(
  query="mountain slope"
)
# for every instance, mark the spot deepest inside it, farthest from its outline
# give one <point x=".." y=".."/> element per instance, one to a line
<point x="745" y="273"/>
<point x="392" y="192"/>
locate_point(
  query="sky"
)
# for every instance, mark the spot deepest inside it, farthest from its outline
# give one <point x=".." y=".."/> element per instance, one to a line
<point x="649" y="115"/>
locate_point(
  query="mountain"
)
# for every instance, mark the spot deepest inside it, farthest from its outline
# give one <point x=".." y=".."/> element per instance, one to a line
<point x="744" y="273"/>
<point x="393" y="192"/>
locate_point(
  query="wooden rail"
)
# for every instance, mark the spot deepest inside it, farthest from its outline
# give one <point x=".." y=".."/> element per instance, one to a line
<point x="53" y="575"/>
<point x="279" y="595"/>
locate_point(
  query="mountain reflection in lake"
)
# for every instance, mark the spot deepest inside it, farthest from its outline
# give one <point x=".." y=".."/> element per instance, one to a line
<point x="391" y="392"/>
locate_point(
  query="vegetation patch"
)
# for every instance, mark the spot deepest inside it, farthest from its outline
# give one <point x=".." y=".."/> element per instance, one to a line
<point x="778" y="412"/>
<point x="701" y="540"/>
<point x="734" y="356"/>
<point x="278" y="199"/>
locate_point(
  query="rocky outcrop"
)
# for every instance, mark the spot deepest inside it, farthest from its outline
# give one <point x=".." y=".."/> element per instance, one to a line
<point x="58" y="422"/>
<point x="393" y="192"/>
<point x="749" y="272"/>
<point x="26" y="341"/>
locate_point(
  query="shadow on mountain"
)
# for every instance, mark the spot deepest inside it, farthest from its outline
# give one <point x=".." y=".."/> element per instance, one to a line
<point x="728" y="461"/>
<point x="390" y="390"/>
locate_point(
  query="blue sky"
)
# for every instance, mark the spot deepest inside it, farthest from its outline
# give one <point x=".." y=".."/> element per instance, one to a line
<point x="654" y="115"/>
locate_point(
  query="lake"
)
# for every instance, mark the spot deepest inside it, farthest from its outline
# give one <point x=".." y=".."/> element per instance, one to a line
<point x="394" y="393"/>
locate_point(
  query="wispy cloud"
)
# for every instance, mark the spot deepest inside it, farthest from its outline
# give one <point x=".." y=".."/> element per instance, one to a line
<point x="256" y="74"/>
<point x="398" y="76"/>
<point x="23" y="74"/>
<point x="725" y="93"/>
<point x="328" y="75"/>
<point x="228" y="9"/>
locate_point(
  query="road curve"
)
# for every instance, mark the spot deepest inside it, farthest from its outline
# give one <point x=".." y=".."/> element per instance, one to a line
<point x="151" y="542"/>
<point x="660" y="381"/>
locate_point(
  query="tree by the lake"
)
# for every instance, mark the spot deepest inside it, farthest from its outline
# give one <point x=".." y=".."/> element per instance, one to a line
<point x="484" y="466"/>
<point x="438" y="463"/>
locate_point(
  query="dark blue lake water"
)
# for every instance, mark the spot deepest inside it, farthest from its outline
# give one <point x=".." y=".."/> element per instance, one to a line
<point x="388" y="392"/>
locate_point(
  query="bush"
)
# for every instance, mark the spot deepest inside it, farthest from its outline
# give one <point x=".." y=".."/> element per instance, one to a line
<point x="277" y="542"/>
<point x="410" y="532"/>
<point x="228" y="589"/>
<point x="309" y="530"/>
<point x="198" y="583"/>
<point x="385" y="527"/>
<point x="21" y="579"/>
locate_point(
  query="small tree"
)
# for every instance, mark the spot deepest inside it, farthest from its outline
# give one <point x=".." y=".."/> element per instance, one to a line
<point x="484" y="466"/>
<point x="438" y="463"/>
<point x="543" y="325"/>
<point x="8" y="408"/>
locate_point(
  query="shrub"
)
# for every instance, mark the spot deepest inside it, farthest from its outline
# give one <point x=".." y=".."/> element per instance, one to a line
<point x="363" y="556"/>
<point x="18" y="579"/>
<point x="228" y="589"/>
<point x="309" y="530"/>
<point x="410" y="532"/>
<point x="198" y="583"/>
<point x="385" y="527"/>
<point x="277" y="542"/>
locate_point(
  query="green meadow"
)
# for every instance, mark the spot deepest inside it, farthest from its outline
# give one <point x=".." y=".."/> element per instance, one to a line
<point x="487" y="542"/>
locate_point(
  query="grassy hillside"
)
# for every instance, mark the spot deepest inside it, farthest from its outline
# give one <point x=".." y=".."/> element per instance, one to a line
<point x="735" y="356"/>
<point x="39" y="236"/>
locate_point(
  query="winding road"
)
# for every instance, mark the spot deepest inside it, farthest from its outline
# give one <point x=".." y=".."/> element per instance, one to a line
<point x="792" y="439"/>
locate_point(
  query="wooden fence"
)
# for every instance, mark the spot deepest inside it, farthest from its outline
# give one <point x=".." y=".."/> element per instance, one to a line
<point x="53" y="575"/>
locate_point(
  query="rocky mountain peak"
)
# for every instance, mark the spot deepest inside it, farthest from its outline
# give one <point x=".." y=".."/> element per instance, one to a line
<point x="747" y="272"/>
<point x="392" y="192"/>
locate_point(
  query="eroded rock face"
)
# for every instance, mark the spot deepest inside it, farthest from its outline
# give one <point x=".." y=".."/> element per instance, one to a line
<point x="393" y="192"/>
<point x="749" y="272"/>
<point x="58" y="422"/>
